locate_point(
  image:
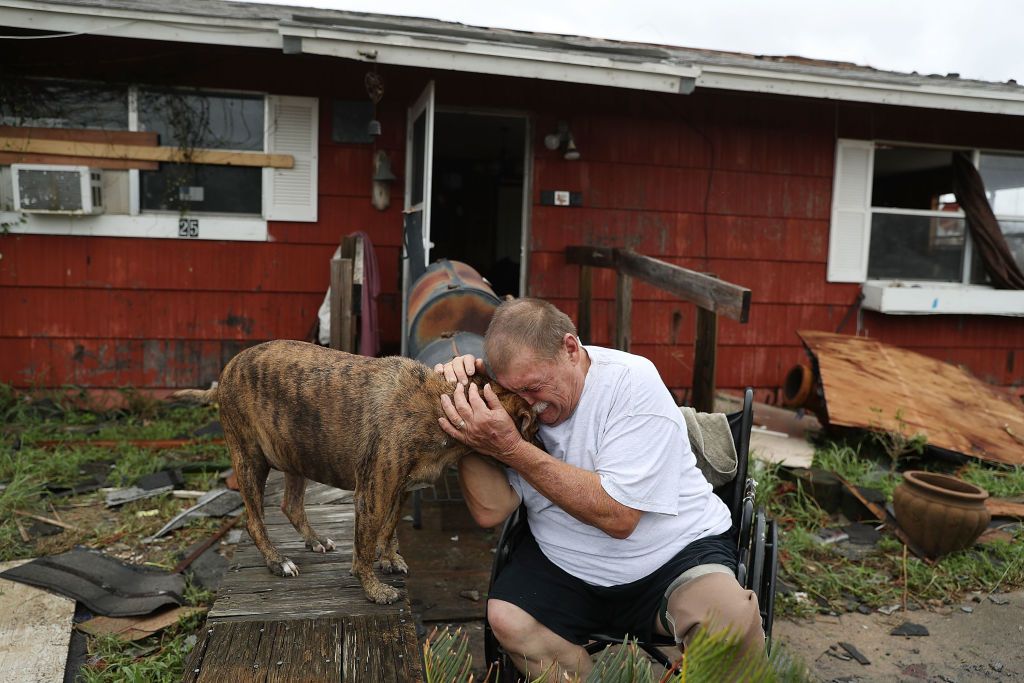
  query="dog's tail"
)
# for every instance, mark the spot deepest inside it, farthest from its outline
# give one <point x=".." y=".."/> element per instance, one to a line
<point x="204" y="396"/>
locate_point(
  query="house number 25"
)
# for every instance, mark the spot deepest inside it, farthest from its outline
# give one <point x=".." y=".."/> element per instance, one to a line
<point x="188" y="227"/>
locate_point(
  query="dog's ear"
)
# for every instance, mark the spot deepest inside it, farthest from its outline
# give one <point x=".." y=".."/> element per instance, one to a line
<point x="522" y="414"/>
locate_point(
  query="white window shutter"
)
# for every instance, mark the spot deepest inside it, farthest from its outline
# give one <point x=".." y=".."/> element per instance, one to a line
<point x="290" y="194"/>
<point x="851" y="211"/>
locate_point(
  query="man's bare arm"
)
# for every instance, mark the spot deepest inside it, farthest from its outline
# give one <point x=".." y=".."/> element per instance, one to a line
<point x="488" y="429"/>
<point x="485" y="487"/>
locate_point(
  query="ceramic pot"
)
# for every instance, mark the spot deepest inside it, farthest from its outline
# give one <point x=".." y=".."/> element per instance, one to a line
<point x="940" y="513"/>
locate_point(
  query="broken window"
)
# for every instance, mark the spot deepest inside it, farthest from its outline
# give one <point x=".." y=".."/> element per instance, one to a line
<point x="917" y="231"/>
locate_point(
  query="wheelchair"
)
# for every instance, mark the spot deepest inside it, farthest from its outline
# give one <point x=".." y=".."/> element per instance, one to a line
<point x="756" y="538"/>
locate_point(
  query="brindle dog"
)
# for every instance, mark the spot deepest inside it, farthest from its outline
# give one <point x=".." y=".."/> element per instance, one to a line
<point x="364" y="424"/>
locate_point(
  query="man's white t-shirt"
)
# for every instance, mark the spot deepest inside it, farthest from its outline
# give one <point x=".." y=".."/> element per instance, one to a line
<point x="628" y="429"/>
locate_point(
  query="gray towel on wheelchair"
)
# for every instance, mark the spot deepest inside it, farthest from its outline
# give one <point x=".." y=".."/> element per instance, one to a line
<point x="711" y="441"/>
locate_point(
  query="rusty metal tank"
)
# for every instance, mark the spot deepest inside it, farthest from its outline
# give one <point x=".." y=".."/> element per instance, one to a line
<point x="449" y="298"/>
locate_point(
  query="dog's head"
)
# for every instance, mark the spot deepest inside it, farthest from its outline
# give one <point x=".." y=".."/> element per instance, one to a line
<point x="524" y="416"/>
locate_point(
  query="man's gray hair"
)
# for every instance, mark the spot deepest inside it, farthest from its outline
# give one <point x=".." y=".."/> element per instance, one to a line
<point x="525" y="325"/>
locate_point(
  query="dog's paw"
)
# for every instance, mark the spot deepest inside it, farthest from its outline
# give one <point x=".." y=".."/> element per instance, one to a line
<point x="394" y="565"/>
<point x="284" y="568"/>
<point x="319" y="546"/>
<point x="383" y="594"/>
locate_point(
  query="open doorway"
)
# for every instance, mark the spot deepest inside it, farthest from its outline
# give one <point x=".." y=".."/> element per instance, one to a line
<point x="477" y="201"/>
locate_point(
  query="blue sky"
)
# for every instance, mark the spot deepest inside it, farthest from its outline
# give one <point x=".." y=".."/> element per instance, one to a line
<point x="980" y="39"/>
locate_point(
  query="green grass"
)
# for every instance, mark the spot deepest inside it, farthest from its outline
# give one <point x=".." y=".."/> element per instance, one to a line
<point x="830" y="579"/>
<point x="1000" y="482"/>
<point x="157" y="659"/>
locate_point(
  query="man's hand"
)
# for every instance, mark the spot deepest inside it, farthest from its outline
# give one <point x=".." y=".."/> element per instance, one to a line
<point x="461" y="369"/>
<point x="480" y="422"/>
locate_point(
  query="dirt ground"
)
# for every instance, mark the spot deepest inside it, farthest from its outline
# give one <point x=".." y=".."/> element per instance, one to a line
<point x="985" y="643"/>
<point x="970" y="641"/>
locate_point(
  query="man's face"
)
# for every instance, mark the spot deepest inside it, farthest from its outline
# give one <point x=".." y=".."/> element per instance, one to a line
<point x="551" y="386"/>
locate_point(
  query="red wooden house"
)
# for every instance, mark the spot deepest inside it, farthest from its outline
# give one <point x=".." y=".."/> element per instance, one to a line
<point x="811" y="183"/>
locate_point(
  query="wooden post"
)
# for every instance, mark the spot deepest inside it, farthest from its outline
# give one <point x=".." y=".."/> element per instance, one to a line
<point x="623" y="310"/>
<point x="705" y="352"/>
<point x="586" y="295"/>
<point x="341" y="305"/>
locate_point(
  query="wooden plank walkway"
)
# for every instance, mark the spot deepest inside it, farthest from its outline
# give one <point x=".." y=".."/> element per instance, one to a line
<point x="317" y="626"/>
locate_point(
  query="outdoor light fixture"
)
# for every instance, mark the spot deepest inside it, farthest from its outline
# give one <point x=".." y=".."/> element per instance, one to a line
<point x="382" y="179"/>
<point x="563" y="141"/>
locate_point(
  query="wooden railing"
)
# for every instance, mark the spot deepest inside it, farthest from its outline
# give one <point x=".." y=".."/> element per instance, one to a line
<point x="713" y="297"/>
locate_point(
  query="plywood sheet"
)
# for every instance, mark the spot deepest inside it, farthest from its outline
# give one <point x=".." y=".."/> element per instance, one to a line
<point x="35" y="628"/>
<point x="867" y="383"/>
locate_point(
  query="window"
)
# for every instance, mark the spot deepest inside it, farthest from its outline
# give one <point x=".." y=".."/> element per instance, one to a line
<point x="63" y="104"/>
<point x="895" y="216"/>
<point x="222" y="201"/>
<point x="203" y="121"/>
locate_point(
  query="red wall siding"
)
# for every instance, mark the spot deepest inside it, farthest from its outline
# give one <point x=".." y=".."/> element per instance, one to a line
<point x="732" y="184"/>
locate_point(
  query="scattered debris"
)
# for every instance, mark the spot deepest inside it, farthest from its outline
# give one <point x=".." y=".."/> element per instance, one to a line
<point x="118" y="497"/>
<point x="106" y="585"/>
<point x="883" y="515"/>
<point x="470" y="595"/>
<point x="47" y="520"/>
<point x="909" y="628"/>
<point x="996" y="666"/>
<point x="148" y="513"/>
<point x="855" y="653"/>
<point x="1005" y="507"/>
<point x="149" y="486"/>
<point x="137" y="628"/>
<point x="215" y="503"/>
<point x="998" y="600"/>
<point x="953" y="409"/>
<point x="852" y="507"/>
<point x="199" y="548"/>
<point x="830" y="536"/>
<point x="233" y="537"/>
<point x="821" y="485"/>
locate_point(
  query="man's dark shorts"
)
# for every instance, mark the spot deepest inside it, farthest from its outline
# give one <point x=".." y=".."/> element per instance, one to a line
<point x="573" y="608"/>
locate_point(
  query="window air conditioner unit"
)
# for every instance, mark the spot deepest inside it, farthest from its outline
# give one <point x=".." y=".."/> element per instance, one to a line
<point x="41" y="188"/>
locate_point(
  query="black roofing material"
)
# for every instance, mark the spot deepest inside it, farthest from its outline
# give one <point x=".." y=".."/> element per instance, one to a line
<point x="107" y="586"/>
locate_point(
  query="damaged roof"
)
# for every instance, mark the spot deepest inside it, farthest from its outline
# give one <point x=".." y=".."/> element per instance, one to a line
<point x="431" y="43"/>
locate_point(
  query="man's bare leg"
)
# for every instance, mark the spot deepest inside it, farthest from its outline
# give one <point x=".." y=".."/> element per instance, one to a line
<point x="532" y="645"/>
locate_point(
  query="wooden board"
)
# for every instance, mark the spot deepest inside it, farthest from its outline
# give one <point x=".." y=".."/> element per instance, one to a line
<point x="110" y="137"/>
<point x="25" y="145"/>
<point x="1003" y="507"/>
<point x="35" y="628"/>
<point x="868" y="384"/>
<point x="373" y="648"/>
<point x="64" y="160"/>
<point x="324" y="586"/>
<point x="317" y="626"/>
